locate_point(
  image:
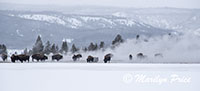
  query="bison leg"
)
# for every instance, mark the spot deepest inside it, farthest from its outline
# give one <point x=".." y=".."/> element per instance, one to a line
<point x="13" y="61"/>
<point x="74" y="59"/>
<point x="21" y="61"/>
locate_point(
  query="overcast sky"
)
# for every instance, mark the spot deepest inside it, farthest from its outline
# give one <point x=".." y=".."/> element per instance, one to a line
<point x="120" y="3"/>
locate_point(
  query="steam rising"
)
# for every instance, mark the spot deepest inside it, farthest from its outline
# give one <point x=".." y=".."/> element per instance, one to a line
<point x="174" y="48"/>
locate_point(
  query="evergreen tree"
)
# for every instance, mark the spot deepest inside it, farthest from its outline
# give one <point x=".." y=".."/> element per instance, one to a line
<point x="95" y="47"/>
<point x="64" y="47"/>
<point x="74" y="49"/>
<point x="53" y="49"/>
<point x="102" y="44"/>
<point x="57" y="49"/>
<point x="85" y="49"/>
<point x="91" y="47"/>
<point x="3" y="49"/>
<point x="26" y="51"/>
<point x="38" y="47"/>
<point x="30" y="52"/>
<point x="118" y="39"/>
<point x="47" y="49"/>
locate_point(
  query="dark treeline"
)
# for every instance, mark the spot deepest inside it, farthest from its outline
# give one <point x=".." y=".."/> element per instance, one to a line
<point x="47" y="48"/>
<point x="53" y="48"/>
<point x="39" y="50"/>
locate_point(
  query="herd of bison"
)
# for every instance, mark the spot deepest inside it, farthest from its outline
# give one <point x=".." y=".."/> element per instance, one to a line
<point x="90" y="59"/>
<point x="41" y="57"/>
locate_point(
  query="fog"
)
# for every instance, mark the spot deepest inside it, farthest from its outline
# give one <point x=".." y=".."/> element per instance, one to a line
<point x="116" y="3"/>
<point x="174" y="48"/>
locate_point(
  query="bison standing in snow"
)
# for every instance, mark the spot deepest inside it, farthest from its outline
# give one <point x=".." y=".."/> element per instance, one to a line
<point x="14" y="58"/>
<point x="107" y="57"/>
<point x="92" y="59"/>
<point x="76" y="57"/>
<point x="130" y="57"/>
<point x="57" y="57"/>
<point x="4" y="57"/>
<point x="38" y="57"/>
<point x="22" y="58"/>
<point x="141" y="56"/>
<point x="158" y="55"/>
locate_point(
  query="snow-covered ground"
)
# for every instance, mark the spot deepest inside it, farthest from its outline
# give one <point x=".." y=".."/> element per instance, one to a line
<point x="99" y="77"/>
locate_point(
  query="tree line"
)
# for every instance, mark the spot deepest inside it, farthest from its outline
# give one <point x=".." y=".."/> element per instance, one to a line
<point x="48" y="48"/>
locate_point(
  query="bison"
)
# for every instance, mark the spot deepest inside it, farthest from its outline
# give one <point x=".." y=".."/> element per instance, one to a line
<point x="76" y="57"/>
<point x="158" y="55"/>
<point x="38" y="57"/>
<point x="130" y="57"/>
<point x="92" y="59"/>
<point x="14" y="58"/>
<point x="57" y="57"/>
<point x="4" y="57"/>
<point x="22" y="58"/>
<point x="107" y="57"/>
<point x="141" y="56"/>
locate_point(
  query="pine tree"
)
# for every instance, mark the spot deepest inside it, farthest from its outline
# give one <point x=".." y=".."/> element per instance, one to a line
<point x="38" y="47"/>
<point x="118" y="39"/>
<point x="91" y="47"/>
<point x="53" y="49"/>
<point x="47" y="49"/>
<point x="57" y="49"/>
<point x="85" y="49"/>
<point x="74" y="49"/>
<point x="30" y="52"/>
<point x="101" y="46"/>
<point x="3" y="49"/>
<point x="64" y="47"/>
<point x="26" y="51"/>
<point x="95" y="47"/>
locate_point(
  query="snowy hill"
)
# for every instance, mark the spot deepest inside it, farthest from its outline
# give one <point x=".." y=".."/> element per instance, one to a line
<point x="23" y="27"/>
<point x="166" y="18"/>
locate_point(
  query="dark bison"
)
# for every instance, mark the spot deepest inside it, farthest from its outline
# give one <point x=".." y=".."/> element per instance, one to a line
<point x="22" y="58"/>
<point x="76" y="57"/>
<point x="57" y="57"/>
<point x="130" y="57"/>
<point x="38" y="57"/>
<point x="159" y="55"/>
<point x="4" y="57"/>
<point x="141" y="56"/>
<point x="92" y="59"/>
<point x="107" y="57"/>
<point x="14" y="58"/>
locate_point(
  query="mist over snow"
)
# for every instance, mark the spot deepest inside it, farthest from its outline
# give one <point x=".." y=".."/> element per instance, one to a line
<point x="174" y="48"/>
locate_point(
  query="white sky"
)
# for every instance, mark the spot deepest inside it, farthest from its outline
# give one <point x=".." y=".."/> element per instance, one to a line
<point x="121" y="3"/>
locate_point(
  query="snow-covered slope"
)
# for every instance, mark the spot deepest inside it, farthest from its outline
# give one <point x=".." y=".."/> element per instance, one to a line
<point x="77" y="21"/>
<point x="167" y="18"/>
<point x="55" y="26"/>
